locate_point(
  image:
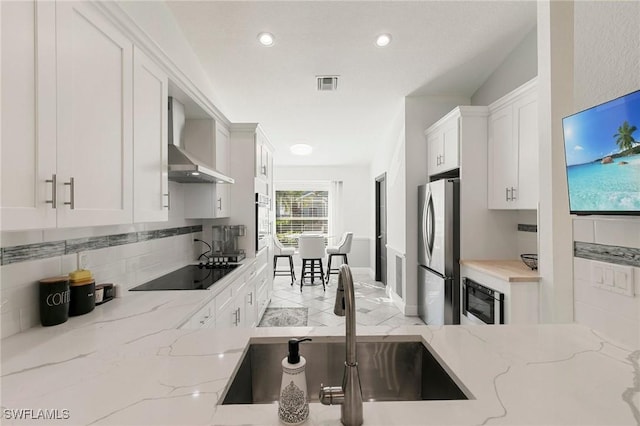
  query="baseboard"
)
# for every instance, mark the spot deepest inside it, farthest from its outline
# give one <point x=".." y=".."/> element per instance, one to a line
<point x="364" y="271"/>
<point x="407" y="310"/>
<point x="411" y="310"/>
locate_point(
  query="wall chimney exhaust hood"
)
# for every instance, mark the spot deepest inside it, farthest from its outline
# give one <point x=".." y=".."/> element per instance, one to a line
<point x="183" y="167"/>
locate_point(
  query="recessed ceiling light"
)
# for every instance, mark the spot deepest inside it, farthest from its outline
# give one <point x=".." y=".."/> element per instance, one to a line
<point x="266" y="39"/>
<point x="383" y="40"/>
<point x="301" y="149"/>
<point x="195" y="173"/>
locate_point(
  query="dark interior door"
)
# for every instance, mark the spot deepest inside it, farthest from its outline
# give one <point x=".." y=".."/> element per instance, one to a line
<point x="381" y="229"/>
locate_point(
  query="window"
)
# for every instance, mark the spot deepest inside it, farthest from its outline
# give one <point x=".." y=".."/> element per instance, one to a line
<point x="299" y="211"/>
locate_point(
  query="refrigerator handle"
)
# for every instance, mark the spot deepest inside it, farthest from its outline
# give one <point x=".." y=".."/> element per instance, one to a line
<point x="429" y="225"/>
<point x="423" y="227"/>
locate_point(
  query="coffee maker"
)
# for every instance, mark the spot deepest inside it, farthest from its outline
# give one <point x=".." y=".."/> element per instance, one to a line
<point x="225" y="243"/>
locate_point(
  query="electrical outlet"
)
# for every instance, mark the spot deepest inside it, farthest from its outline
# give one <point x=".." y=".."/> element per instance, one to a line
<point x="613" y="278"/>
<point x="83" y="261"/>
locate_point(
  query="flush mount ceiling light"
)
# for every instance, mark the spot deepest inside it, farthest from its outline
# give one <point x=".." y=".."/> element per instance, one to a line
<point x="266" y="39"/>
<point x="383" y="40"/>
<point x="301" y="149"/>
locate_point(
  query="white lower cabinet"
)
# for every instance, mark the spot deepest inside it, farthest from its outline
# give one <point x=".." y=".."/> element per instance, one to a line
<point x="521" y="298"/>
<point x="241" y="303"/>
<point x="204" y="318"/>
<point x="264" y="288"/>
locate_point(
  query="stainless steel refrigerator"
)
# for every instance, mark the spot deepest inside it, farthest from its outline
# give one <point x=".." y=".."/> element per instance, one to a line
<point x="439" y="252"/>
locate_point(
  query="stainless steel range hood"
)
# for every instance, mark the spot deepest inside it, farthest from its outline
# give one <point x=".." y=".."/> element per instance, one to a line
<point x="183" y="167"/>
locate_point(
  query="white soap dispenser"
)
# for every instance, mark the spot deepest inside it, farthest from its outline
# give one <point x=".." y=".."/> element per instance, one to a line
<point x="293" y="405"/>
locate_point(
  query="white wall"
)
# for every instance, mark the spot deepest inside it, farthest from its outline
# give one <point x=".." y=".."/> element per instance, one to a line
<point x="357" y="202"/>
<point x="606" y="65"/>
<point x="157" y="21"/>
<point x="520" y="66"/>
<point x="389" y="159"/>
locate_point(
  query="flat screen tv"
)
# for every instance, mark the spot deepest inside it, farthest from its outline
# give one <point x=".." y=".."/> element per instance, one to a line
<point x="602" y="153"/>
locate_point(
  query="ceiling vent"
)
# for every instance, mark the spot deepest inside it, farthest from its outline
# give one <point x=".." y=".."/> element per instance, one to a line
<point x="327" y="83"/>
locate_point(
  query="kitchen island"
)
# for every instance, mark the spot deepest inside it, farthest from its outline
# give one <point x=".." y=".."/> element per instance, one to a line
<point x="126" y="363"/>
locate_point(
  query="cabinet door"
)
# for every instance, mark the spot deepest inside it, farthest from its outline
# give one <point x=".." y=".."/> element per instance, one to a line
<point x="28" y="151"/>
<point x="228" y="317"/>
<point x="245" y="306"/>
<point x="94" y="107"/>
<point x="502" y="159"/>
<point x="222" y="164"/>
<point x="450" y="145"/>
<point x="434" y="152"/>
<point x="150" y="97"/>
<point x="526" y="125"/>
<point x="258" y="152"/>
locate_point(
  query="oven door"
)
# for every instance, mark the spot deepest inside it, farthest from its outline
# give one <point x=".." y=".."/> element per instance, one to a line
<point x="480" y="304"/>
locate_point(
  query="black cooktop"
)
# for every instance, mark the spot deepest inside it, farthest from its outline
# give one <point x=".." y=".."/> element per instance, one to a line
<point x="190" y="277"/>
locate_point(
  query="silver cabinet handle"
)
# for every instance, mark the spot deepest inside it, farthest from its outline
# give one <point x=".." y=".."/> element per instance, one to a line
<point x="506" y="194"/>
<point x="168" y="205"/>
<point x="220" y="204"/>
<point x="236" y="317"/>
<point x="513" y="194"/>
<point x="72" y="196"/>
<point x="53" y="181"/>
<point x="250" y="299"/>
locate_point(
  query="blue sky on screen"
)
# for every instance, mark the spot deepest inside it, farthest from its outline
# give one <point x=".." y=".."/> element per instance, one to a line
<point x="588" y="135"/>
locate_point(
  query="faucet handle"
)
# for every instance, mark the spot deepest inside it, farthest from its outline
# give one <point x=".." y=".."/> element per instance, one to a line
<point x="331" y="395"/>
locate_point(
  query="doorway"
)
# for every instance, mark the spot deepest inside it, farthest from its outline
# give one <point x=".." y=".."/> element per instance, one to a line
<point x="381" y="228"/>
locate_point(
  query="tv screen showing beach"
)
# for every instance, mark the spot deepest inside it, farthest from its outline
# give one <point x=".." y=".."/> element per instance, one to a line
<point x="602" y="151"/>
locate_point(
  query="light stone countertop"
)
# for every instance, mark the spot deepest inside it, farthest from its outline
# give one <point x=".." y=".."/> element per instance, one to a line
<point x="127" y="364"/>
<point x="512" y="271"/>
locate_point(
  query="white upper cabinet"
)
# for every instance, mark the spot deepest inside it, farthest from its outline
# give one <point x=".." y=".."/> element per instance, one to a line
<point x="443" y="145"/>
<point x="150" y="180"/>
<point x="263" y="157"/>
<point x="513" y="150"/>
<point x="28" y="151"/>
<point x="223" y="192"/>
<point x="95" y="100"/>
<point x="208" y="140"/>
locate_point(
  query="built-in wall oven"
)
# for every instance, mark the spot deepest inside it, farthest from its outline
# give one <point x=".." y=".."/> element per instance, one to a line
<point x="263" y="221"/>
<point x="480" y="304"/>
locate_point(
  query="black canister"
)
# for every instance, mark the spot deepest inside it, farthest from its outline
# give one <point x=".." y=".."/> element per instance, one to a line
<point x="83" y="298"/>
<point x="54" y="300"/>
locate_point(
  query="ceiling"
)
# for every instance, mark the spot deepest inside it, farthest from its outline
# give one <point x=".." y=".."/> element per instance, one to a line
<point x="437" y="48"/>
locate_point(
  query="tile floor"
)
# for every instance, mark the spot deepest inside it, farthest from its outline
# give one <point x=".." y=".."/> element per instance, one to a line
<point x="373" y="306"/>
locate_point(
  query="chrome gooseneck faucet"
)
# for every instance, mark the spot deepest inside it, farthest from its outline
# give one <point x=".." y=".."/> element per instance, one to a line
<point x="349" y="395"/>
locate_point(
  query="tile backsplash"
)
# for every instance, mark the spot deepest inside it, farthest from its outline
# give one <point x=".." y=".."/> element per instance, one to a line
<point x="126" y="255"/>
<point x="125" y="265"/>
<point x="613" y="241"/>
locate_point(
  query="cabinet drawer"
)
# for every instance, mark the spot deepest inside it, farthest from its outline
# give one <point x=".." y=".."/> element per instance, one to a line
<point x="201" y="317"/>
<point x="224" y="298"/>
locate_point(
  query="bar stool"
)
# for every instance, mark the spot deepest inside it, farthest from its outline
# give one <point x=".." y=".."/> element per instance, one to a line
<point x="311" y="249"/>
<point x="281" y="251"/>
<point x="342" y="249"/>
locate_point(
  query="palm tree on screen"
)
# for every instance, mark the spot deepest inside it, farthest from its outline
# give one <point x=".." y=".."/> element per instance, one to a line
<point x="624" y="137"/>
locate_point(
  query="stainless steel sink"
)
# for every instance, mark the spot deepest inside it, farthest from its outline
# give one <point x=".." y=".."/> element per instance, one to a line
<point x="389" y="371"/>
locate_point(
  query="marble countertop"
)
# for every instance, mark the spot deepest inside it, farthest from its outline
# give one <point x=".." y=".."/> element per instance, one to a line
<point x="512" y="271"/>
<point x="126" y="363"/>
